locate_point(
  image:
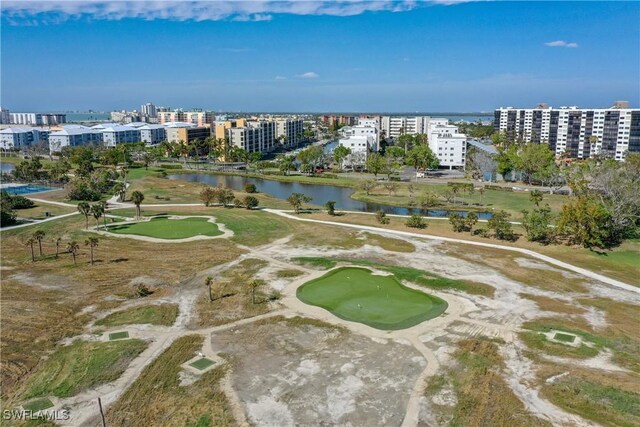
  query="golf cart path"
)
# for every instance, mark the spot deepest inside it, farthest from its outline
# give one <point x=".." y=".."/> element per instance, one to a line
<point x="550" y="260"/>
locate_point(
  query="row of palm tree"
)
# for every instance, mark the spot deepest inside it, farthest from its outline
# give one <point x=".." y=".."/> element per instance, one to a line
<point x="72" y="247"/>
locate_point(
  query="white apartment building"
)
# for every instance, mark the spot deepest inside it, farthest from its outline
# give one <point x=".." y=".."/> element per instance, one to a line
<point x="289" y="131"/>
<point x="360" y="146"/>
<point x="118" y="134"/>
<point x="37" y="119"/>
<point x="374" y="122"/>
<point x="149" y="110"/>
<point x="448" y="145"/>
<point x="73" y="136"/>
<point x="21" y="137"/>
<point x="394" y="126"/>
<point x="575" y="132"/>
<point x="368" y="131"/>
<point x="152" y="134"/>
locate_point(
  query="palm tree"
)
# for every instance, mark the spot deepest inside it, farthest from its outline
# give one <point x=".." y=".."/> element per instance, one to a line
<point x="92" y="242"/>
<point x="38" y="235"/>
<point x="85" y="209"/>
<point x="30" y="242"/>
<point x="137" y="197"/>
<point x="208" y="282"/>
<point x="97" y="211"/>
<point x="72" y="248"/>
<point x="57" y="241"/>
<point x="481" y="190"/>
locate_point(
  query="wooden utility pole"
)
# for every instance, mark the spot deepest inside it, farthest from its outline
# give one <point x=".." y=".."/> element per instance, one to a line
<point x="104" y="422"/>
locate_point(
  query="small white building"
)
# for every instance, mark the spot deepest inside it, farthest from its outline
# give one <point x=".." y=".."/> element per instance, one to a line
<point x="448" y="145"/>
<point x="360" y="146"/>
<point x="360" y="130"/>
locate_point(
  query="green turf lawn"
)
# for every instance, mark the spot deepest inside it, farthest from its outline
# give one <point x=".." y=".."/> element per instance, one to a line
<point x="165" y="228"/>
<point x="81" y="365"/>
<point x="118" y="335"/>
<point x="38" y="405"/>
<point x="564" y="337"/>
<point x="382" y="302"/>
<point x="202" y="364"/>
<point x="161" y="314"/>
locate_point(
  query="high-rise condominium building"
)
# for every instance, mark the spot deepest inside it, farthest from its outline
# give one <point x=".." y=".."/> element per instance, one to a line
<point x="256" y="136"/>
<point x="289" y="131"/>
<point x="575" y="132"/>
<point x="149" y="110"/>
<point x="394" y="126"/>
<point x="37" y="119"/>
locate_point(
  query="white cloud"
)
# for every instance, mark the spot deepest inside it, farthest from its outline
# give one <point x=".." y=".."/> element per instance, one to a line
<point x="32" y="12"/>
<point x="561" y="43"/>
<point x="308" y="75"/>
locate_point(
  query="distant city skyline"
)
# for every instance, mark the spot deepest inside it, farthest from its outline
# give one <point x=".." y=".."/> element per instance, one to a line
<point x="314" y="56"/>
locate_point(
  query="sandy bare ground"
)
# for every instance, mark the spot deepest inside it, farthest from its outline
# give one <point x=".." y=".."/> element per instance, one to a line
<point x="421" y="350"/>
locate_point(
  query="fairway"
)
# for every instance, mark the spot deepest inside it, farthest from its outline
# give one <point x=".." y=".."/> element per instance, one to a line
<point x="382" y="302"/>
<point x="166" y="228"/>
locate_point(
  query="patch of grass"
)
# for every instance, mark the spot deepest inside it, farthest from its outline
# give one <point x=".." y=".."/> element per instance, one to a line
<point x="118" y="335"/>
<point x="389" y="243"/>
<point x="165" y="228"/>
<point x="38" y="404"/>
<point x="409" y="274"/>
<point x="202" y="364"/>
<point x="381" y="302"/>
<point x="253" y="228"/>
<point x="287" y="273"/>
<point x="157" y="395"/>
<point x="554" y="304"/>
<point x="559" y="336"/>
<point x="483" y="396"/>
<point x="81" y="365"/>
<point x="161" y="314"/>
<point x="597" y="397"/>
<point x="539" y="342"/>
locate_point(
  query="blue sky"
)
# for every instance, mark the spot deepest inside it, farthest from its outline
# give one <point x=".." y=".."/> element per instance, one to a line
<point x="318" y="56"/>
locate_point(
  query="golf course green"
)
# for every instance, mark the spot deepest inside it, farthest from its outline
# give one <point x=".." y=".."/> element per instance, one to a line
<point x="165" y="228"/>
<point x="382" y="302"/>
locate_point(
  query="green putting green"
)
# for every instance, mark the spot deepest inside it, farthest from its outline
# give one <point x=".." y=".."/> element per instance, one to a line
<point x="382" y="302"/>
<point x="165" y="228"/>
<point x="118" y="335"/>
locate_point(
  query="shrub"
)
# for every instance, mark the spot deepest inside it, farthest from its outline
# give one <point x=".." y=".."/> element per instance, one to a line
<point x="416" y="221"/>
<point x="331" y="207"/>
<point x="237" y="203"/>
<point x="382" y="218"/>
<point x="536" y="223"/>
<point x="501" y="226"/>
<point x="79" y="189"/>
<point x="250" y="202"/>
<point x="143" y="290"/>
<point x="16" y="202"/>
<point x="482" y="232"/>
<point x="207" y="195"/>
<point x="250" y="188"/>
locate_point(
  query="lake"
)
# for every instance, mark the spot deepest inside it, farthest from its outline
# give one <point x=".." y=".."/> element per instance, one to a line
<point x="320" y="194"/>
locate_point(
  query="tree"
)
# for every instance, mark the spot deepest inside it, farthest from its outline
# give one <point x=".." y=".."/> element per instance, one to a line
<point x="312" y="156"/>
<point x="416" y="221"/>
<point x="367" y="186"/>
<point x="254" y="285"/>
<point x="286" y="164"/>
<point x="406" y="141"/>
<point x="331" y="207"/>
<point x="57" y="241"/>
<point x="30" y="242"/>
<point x="92" y="242"/>
<point x="297" y="199"/>
<point x="137" y="197"/>
<point x="533" y="158"/>
<point x="250" y="202"/>
<point x="207" y="195"/>
<point x="391" y="187"/>
<point x="471" y="219"/>
<point x="375" y="164"/>
<point x="457" y="222"/>
<point x="428" y="199"/>
<point x="536" y="197"/>
<point x="421" y="157"/>
<point x="382" y="217"/>
<point x="97" y="210"/>
<point x="340" y="153"/>
<point x="501" y="226"/>
<point x="72" y="248"/>
<point x="250" y="188"/>
<point x="7" y="215"/>
<point x="504" y="160"/>
<point x="536" y="223"/>
<point x="85" y="209"/>
<point x="223" y="195"/>
<point x="38" y="235"/>
<point x="585" y="221"/>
